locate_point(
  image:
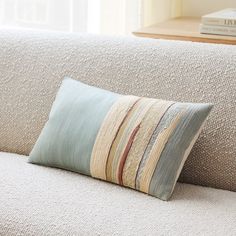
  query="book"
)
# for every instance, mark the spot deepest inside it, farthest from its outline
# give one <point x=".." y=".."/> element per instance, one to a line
<point x="220" y="30"/>
<point x="226" y="17"/>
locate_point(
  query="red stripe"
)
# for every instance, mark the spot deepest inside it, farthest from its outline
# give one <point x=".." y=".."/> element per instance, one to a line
<point x="125" y="154"/>
<point x="128" y="113"/>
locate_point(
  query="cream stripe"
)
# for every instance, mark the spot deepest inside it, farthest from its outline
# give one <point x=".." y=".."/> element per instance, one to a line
<point x="142" y="139"/>
<point x="107" y="134"/>
<point x="156" y="151"/>
<point x="114" y="149"/>
<point x="134" y="120"/>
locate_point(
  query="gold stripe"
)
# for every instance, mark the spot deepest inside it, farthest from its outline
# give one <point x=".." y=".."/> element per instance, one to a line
<point x="133" y="119"/>
<point x="156" y="151"/>
<point x="142" y="139"/>
<point x="107" y="134"/>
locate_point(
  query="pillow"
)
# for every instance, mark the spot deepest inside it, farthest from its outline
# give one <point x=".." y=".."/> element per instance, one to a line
<point x="137" y="142"/>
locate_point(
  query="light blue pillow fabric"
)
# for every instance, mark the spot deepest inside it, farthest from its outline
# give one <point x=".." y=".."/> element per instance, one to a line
<point x="68" y="137"/>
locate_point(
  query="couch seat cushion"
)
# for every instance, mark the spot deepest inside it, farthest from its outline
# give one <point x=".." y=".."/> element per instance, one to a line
<point x="36" y="200"/>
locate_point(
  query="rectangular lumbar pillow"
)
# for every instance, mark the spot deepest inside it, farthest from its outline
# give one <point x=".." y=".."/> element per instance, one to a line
<point x="137" y="142"/>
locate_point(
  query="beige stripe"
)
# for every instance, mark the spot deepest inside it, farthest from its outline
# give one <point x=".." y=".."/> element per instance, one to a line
<point x="117" y="141"/>
<point x="132" y="121"/>
<point x="142" y="139"/>
<point x="156" y="151"/>
<point x="107" y="134"/>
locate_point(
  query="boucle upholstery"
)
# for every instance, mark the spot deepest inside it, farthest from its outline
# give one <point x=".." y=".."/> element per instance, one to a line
<point x="37" y="200"/>
<point x="32" y="65"/>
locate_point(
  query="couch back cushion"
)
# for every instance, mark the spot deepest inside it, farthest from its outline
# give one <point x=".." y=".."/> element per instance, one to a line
<point x="33" y="64"/>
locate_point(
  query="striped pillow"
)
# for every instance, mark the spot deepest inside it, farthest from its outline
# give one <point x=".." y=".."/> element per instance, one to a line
<point x="137" y="142"/>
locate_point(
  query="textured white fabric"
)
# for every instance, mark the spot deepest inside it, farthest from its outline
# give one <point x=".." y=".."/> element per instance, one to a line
<point x="33" y="64"/>
<point x="36" y="200"/>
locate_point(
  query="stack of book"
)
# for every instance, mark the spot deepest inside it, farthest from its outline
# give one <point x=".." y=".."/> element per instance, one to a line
<point x="221" y="23"/>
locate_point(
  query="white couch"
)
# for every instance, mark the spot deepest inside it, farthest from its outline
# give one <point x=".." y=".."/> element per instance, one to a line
<point x="36" y="200"/>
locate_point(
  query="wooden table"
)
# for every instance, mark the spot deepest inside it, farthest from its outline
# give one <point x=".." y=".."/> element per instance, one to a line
<point x="184" y="28"/>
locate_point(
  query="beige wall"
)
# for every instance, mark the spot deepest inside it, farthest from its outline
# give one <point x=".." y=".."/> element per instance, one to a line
<point x="155" y="11"/>
<point x="159" y="10"/>
<point x="119" y="16"/>
<point x="116" y="17"/>
<point x="201" y="7"/>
